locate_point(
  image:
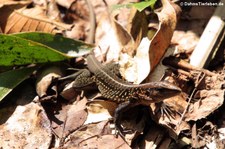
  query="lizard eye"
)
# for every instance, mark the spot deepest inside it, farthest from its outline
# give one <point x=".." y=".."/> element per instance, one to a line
<point x="153" y="92"/>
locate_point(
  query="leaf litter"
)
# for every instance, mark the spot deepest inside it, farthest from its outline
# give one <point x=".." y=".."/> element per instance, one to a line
<point x="77" y="123"/>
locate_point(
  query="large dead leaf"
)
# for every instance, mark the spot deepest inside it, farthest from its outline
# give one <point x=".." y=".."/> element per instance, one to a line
<point x="161" y="40"/>
<point x="124" y="37"/>
<point x="149" y="52"/>
<point x="24" y="20"/>
<point x="23" y="123"/>
<point x="28" y="127"/>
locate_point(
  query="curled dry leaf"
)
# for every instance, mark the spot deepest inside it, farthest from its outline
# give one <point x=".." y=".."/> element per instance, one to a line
<point x="45" y="79"/>
<point x="99" y="110"/>
<point x="109" y="29"/>
<point x="154" y="49"/>
<point x="124" y="37"/>
<point x="24" y="20"/>
<point x="162" y="38"/>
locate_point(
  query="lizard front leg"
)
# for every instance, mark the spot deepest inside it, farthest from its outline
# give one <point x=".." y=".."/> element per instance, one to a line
<point x="84" y="79"/>
<point x="122" y="107"/>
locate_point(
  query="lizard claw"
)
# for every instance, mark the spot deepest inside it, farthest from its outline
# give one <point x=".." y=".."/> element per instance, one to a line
<point x="166" y="111"/>
<point x="118" y="129"/>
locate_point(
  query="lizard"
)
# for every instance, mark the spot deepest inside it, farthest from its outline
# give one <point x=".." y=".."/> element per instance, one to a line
<point x="126" y="94"/>
<point x="113" y="88"/>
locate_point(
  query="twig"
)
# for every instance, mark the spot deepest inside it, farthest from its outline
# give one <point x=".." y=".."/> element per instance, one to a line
<point x="185" y="110"/>
<point x="179" y="63"/>
<point x="91" y="35"/>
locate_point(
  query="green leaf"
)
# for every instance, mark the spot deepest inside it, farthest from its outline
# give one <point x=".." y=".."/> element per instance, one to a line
<point x="142" y="5"/>
<point x="19" y="51"/>
<point x="139" y="6"/>
<point x="27" y="48"/>
<point x="10" y="79"/>
<point x="67" y="46"/>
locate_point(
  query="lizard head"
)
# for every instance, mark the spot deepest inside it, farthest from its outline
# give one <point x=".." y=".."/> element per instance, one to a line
<point x="159" y="91"/>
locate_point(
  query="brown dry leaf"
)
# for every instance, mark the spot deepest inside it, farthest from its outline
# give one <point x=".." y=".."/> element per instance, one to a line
<point x="7" y="7"/>
<point x="88" y="136"/>
<point x="76" y="116"/>
<point x="28" y="127"/>
<point x="109" y="29"/>
<point x="24" y="20"/>
<point x="100" y="110"/>
<point x="209" y="101"/>
<point x="111" y="35"/>
<point x="139" y="31"/>
<point x="67" y="118"/>
<point x="125" y="39"/>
